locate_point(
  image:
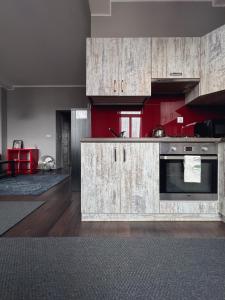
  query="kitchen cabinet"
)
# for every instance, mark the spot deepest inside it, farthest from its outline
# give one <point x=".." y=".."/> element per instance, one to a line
<point x="221" y="173"/>
<point x="140" y="178"/>
<point x="177" y="57"/>
<point x="118" y="67"/>
<point x="102" y="74"/>
<point x="100" y="170"/>
<point x="189" y="207"/>
<point x="119" y="178"/>
<point x="213" y="62"/>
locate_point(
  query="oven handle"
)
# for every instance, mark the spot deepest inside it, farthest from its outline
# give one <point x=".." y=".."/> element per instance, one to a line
<point x="180" y="157"/>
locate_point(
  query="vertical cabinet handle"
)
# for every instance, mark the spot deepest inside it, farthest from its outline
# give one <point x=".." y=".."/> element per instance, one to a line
<point x="124" y="155"/>
<point x="114" y="86"/>
<point x="122" y="86"/>
<point x="115" y="155"/>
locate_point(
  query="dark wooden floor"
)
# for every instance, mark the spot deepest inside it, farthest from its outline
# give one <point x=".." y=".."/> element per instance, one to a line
<point x="70" y="224"/>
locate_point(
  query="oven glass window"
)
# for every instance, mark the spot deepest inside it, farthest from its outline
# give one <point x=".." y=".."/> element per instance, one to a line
<point x="172" y="177"/>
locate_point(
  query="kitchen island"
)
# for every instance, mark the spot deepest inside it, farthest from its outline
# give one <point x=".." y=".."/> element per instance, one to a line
<point x="120" y="181"/>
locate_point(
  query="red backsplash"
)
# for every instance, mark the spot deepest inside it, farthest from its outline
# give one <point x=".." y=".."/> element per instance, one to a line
<point x="156" y="111"/>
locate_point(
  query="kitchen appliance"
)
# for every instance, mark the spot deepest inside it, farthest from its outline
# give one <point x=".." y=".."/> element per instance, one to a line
<point x="172" y="185"/>
<point x="210" y="128"/>
<point x="158" y="132"/>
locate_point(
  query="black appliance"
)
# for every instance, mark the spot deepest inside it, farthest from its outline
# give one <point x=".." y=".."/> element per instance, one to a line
<point x="172" y="185"/>
<point x="210" y="128"/>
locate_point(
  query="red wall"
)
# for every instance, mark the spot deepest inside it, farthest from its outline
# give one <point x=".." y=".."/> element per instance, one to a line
<point x="156" y="111"/>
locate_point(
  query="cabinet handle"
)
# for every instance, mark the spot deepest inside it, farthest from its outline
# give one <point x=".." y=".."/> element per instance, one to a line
<point x="176" y="74"/>
<point x="114" y="83"/>
<point x="124" y="155"/>
<point x="115" y="155"/>
<point x="122" y="86"/>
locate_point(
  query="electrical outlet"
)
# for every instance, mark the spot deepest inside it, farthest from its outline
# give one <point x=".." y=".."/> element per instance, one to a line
<point x="180" y="120"/>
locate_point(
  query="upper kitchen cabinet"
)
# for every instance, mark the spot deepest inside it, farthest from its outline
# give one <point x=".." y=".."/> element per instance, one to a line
<point x="118" y="67"/>
<point x="176" y="57"/>
<point x="135" y="67"/>
<point x="102" y="63"/>
<point x="213" y="62"/>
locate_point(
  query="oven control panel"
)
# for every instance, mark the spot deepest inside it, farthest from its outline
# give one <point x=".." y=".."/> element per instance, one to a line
<point x="188" y="148"/>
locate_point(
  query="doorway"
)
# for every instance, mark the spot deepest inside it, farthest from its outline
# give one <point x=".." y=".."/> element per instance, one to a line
<point x="63" y="139"/>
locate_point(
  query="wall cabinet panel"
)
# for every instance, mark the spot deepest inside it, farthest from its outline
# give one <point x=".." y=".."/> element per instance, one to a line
<point x="118" y="67"/>
<point x="213" y="62"/>
<point x="176" y="57"/>
<point x="102" y="66"/>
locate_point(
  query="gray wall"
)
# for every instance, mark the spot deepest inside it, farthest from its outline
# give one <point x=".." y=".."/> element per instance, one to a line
<point x="43" y="41"/>
<point x="32" y="114"/>
<point x="3" y="122"/>
<point x="158" y="19"/>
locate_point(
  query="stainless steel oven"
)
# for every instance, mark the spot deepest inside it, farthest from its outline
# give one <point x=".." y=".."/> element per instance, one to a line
<point x="172" y="184"/>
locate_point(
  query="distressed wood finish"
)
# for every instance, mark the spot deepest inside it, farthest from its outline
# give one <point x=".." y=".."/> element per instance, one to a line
<point x="189" y="207"/>
<point x="140" y="178"/>
<point x="118" y="67"/>
<point x="176" y="55"/>
<point x="213" y="61"/>
<point x="100" y="171"/>
<point x="150" y="217"/>
<point x="135" y="67"/>
<point x="102" y="63"/>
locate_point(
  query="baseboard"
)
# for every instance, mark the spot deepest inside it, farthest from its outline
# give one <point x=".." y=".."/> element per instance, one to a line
<point x="149" y="217"/>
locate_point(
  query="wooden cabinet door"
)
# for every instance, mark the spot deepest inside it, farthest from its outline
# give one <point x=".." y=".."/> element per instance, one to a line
<point x="139" y="178"/>
<point x="221" y="178"/>
<point x="102" y="66"/>
<point x="213" y="62"/>
<point x="135" y="67"/>
<point x="100" y="181"/>
<point x="176" y="57"/>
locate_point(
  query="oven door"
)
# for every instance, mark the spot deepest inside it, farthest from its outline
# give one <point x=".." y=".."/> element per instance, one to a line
<point x="173" y="187"/>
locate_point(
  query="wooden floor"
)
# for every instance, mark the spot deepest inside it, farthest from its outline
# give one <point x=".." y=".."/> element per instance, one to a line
<point x="70" y="224"/>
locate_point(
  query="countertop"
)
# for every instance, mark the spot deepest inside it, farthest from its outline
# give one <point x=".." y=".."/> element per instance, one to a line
<point x="153" y="140"/>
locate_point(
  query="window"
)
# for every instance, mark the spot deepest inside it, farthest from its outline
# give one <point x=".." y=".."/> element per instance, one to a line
<point x="130" y="122"/>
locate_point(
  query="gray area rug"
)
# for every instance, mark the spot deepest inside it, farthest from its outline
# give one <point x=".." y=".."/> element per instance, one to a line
<point x="29" y="184"/>
<point x="11" y="212"/>
<point x="103" y="268"/>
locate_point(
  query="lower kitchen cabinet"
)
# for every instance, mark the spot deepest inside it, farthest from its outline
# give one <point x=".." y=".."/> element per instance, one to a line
<point x="119" y="178"/>
<point x="140" y="178"/>
<point x="221" y="185"/>
<point x="189" y="207"/>
<point x="100" y="170"/>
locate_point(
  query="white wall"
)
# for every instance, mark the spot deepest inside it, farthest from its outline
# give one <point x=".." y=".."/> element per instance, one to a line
<point x="31" y="114"/>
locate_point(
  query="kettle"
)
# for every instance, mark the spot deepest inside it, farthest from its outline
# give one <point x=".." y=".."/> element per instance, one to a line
<point x="158" y="132"/>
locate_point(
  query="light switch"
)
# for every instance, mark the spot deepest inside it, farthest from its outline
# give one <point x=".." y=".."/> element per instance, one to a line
<point x="180" y="120"/>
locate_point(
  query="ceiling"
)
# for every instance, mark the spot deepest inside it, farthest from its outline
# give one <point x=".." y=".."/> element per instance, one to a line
<point x="42" y="42"/>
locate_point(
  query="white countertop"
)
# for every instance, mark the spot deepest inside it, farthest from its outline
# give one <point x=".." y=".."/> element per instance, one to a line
<point x="153" y="140"/>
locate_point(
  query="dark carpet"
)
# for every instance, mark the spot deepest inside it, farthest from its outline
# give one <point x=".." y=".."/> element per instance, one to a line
<point x="29" y="184"/>
<point x="11" y="212"/>
<point x="100" y="268"/>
